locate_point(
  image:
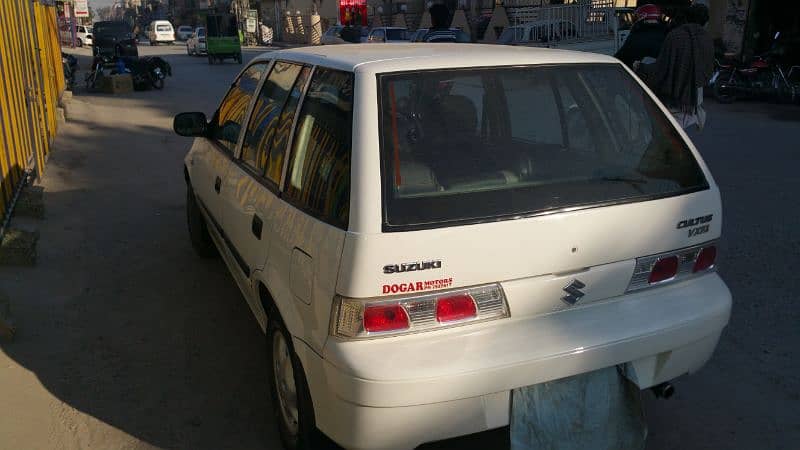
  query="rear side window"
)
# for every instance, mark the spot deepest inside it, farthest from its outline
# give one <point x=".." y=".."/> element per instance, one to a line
<point x="227" y="122"/>
<point x="318" y="177"/>
<point x="464" y="146"/>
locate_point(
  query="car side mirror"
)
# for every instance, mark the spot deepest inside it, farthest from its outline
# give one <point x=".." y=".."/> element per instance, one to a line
<point x="190" y="124"/>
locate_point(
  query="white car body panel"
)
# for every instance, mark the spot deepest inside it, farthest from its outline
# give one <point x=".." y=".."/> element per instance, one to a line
<point x="402" y="391"/>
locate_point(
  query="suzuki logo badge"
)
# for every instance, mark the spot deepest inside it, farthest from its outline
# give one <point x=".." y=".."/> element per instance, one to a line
<point x="574" y="293"/>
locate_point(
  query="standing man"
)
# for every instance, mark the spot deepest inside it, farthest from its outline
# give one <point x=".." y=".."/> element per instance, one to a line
<point x="683" y="67"/>
<point x="440" y="25"/>
<point x="646" y="37"/>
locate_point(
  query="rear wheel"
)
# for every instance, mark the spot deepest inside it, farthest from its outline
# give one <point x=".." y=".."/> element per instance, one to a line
<point x="239" y="57"/>
<point x="79" y="42"/>
<point x="198" y="229"/>
<point x="291" y="400"/>
<point x="725" y="88"/>
<point x="210" y="59"/>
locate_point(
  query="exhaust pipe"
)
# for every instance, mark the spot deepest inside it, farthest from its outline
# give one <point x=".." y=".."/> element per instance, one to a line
<point x="663" y="390"/>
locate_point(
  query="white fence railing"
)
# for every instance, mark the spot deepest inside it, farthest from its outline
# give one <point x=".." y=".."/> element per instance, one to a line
<point x="572" y="22"/>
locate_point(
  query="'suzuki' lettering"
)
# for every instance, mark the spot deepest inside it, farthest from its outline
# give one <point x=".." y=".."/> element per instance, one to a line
<point x="412" y="266"/>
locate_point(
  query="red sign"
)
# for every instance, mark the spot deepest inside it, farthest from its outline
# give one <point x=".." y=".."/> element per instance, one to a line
<point x="351" y="11"/>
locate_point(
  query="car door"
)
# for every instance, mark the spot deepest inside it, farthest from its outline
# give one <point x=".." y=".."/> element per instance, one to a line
<point x="378" y="36"/>
<point x="210" y="158"/>
<point x="310" y="222"/>
<point x="255" y="176"/>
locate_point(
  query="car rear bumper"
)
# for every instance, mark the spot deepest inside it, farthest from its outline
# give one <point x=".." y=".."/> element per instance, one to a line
<point x="658" y="334"/>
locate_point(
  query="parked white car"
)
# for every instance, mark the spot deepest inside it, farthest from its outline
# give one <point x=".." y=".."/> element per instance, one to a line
<point x="388" y="34"/>
<point x="417" y="242"/>
<point x="160" y="31"/>
<point x="83" y="35"/>
<point x="196" y="45"/>
<point x="184" y="32"/>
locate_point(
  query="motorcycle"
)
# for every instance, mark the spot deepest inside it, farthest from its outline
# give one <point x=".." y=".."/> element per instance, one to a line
<point x="146" y="71"/>
<point x="70" y="66"/>
<point x="762" y="76"/>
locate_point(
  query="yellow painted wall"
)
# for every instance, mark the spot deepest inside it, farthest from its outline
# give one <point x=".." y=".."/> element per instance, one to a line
<point x="31" y="83"/>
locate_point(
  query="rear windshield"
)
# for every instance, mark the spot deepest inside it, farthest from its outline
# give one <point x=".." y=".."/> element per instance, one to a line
<point x="221" y="25"/>
<point x="163" y="28"/>
<point x="111" y="28"/>
<point x="465" y="146"/>
<point x="395" y="35"/>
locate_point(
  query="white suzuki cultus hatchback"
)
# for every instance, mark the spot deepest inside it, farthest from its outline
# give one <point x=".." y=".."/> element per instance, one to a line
<point x="421" y="229"/>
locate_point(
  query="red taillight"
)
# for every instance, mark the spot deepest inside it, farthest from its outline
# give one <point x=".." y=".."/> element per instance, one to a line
<point x="457" y="307"/>
<point x="705" y="259"/>
<point x="664" y="269"/>
<point x="385" y="318"/>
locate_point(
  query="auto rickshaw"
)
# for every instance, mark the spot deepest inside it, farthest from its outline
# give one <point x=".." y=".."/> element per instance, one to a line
<point x="222" y="38"/>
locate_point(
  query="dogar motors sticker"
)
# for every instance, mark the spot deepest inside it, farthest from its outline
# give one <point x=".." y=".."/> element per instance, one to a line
<point x="417" y="286"/>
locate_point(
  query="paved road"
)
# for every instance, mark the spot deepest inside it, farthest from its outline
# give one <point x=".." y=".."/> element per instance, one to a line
<point x="129" y="341"/>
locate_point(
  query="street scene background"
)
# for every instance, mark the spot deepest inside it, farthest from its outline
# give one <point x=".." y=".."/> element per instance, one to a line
<point x="127" y="340"/>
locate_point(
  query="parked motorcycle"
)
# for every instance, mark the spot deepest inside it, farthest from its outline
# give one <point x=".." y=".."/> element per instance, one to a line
<point x="146" y="71"/>
<point x="70" y="66"/>
<point x="763" y="76"/>
<point x="150" y="71"/>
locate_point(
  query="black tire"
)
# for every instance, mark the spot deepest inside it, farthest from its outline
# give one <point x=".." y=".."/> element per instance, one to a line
<point x="210" y="60"/>
<point x="157" y="83"/>
<point x="239" y="58"/>
<point x="78" y="42"/>
<point x="198" y="229"/>
<point x="724" y="88"/>
<point x="305" y="437"/>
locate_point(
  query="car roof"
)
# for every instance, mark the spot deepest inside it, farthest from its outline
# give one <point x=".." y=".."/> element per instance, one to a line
<point x="371" y="58"/>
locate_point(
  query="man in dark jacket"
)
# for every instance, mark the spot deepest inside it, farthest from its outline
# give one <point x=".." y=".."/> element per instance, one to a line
<point x="683" y="67"/>
<point x="646" y="36"/>
<point x="440" y="25"/>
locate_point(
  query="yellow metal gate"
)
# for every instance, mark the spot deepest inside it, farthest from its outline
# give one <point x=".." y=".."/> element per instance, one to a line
<point x="31" y="83"/>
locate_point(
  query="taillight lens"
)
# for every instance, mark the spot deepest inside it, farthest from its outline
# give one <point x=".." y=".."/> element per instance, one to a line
<point x="359" y="319"/>
<point x="664" y="269"/>
<point x="380" y="318"/>
<point x="705" y="259"/>
<point x="457" y="307"/>
<point x="673" y="266"/>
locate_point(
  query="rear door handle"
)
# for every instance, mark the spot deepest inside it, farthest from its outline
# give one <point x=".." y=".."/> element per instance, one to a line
<point x="257" y="226"/>
<point x="217" y="184"/>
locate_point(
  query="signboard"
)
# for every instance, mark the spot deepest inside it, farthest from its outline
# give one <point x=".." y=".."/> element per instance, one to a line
<point x="251" y="25"/>
<point x="81" y="8"/>
<point x="351" y="11"/>
<point x="252" y="14"/>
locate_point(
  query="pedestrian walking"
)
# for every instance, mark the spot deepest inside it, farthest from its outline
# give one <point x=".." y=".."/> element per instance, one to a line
<point x="684" y="65"/>
<point x="646" y="37"/>
<point x="440" y="25"/>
